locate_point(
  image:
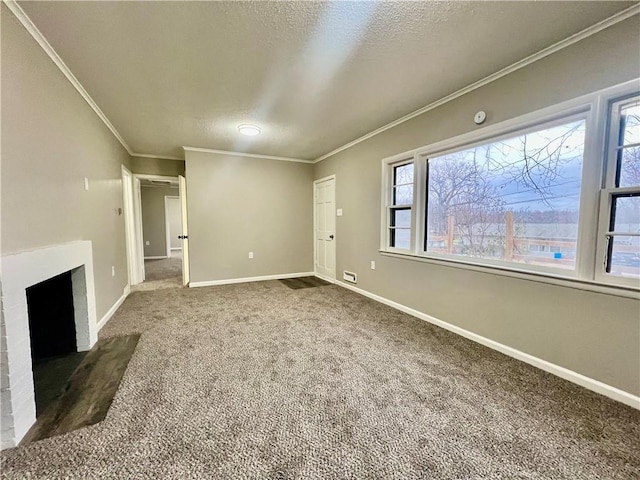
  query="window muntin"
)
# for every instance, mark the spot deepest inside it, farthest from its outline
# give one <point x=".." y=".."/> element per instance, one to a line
<point x="515" y="200"/>
<point x="403" y="184"/>
<point x="401" y="205"/>
<point x="619" y="236"/>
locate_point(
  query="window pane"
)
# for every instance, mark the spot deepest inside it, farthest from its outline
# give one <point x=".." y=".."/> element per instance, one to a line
<point x="401" y="218"/>
<point x="624" y="256"/>
<point x="401" y="238"/>
<point x="629" y="167"/>
<point x="630" y="120"/>
<point x="515" y="200"/>
<point x="403" y="195"/>
<point x="403" y="174"/>
<point x="626" y="214"/>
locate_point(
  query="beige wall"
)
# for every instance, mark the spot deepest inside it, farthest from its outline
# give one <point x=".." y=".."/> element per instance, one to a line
<point x="239" y="204"/>
<point x="593" y="334"/>
<point x="153" y="219"/>
<point x="51" y="141"/>
<point x="157" y="166"/>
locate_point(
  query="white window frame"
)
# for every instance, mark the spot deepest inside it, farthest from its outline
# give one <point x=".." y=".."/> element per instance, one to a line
<point x="595" y="108"/>
<point x="387" y="203"/>
<point x="608" y="193"/>
<point x="560" y="119"/>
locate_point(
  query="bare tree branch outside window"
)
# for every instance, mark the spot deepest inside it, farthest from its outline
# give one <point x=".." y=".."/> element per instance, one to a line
<point x="516" y="199"/>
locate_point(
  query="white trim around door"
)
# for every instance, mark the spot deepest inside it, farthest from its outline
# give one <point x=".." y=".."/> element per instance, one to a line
<point x="129" y="207"/>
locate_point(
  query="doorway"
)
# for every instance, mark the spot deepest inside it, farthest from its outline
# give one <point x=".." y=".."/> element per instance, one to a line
<point x="324" y="220"/>
<point x="161" y="262"/>
<point x="154" y="215"/>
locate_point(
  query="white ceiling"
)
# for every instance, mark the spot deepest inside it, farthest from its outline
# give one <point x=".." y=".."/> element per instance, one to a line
<point x="313" y="75"/>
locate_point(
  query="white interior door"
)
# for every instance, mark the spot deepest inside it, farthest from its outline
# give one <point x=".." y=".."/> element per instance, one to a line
<point x="129" y="227"/>
<point x="185" y="232"/>
<point x="325" y="227"/>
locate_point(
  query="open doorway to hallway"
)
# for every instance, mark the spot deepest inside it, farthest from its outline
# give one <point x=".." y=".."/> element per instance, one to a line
<point x="155" y="217"/>
<point x="161" y="227"/>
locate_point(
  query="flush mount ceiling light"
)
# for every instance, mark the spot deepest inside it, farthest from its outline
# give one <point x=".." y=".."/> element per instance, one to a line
<point x="249" y="130"/>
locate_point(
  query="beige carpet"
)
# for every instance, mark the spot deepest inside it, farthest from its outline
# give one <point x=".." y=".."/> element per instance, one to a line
<point x="162" y="274"/>
<point x="261" y="381"/>
<point x="164" y="268"/>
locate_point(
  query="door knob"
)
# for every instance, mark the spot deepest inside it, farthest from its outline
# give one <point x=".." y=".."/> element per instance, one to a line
<point x="330" y="237"/>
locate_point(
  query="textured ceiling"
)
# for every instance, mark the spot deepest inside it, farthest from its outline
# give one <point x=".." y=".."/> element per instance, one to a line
<point x="313" y="75"/>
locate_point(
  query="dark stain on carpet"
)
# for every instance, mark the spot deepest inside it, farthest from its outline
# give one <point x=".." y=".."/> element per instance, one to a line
<point x="87" y="396"/>
<point x="304" y="282"/>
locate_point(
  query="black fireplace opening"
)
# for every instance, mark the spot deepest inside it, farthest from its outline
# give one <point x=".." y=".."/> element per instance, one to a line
<point x="52" y="330"/>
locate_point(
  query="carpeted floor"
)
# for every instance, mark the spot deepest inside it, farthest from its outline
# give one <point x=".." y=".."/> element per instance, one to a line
<point x="261" y="381"/>
<point x="162" y="274"/>
<point x="164" y="268"/>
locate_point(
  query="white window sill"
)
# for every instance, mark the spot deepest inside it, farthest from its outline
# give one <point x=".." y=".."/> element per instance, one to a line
<point x="579" y="284"/>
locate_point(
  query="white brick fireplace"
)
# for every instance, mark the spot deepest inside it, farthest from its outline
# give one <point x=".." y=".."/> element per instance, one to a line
<point x="20" y="271"/>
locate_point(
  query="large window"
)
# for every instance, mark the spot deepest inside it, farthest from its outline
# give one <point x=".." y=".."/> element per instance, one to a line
<point x="516" y="199"/>
<point x="524" y="195"/>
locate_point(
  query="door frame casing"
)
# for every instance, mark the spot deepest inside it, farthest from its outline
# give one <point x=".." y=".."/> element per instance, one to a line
<point x="128" y="202"/>
<point x="315" y="238"/>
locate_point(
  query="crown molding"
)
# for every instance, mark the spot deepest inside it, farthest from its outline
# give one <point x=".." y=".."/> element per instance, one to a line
<point x="545" y="52"/>
<point x="46" y="46"/>
<point x="250" y="155"/>
<point x="161" y="157"/>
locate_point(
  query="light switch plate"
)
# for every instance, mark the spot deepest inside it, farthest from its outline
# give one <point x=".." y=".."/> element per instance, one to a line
<point x="339" y="212"/>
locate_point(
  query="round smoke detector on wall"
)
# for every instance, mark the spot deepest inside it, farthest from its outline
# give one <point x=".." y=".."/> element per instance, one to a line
<point x="480" y="117"/>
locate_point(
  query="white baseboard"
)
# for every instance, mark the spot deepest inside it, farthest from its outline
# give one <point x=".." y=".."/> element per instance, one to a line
<point x="250" y="279"/>
<point x="107" y="316"/>
<point x="574" y="377"/>
<point x="325" y="278"/>
<point x="156" y="258"/>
